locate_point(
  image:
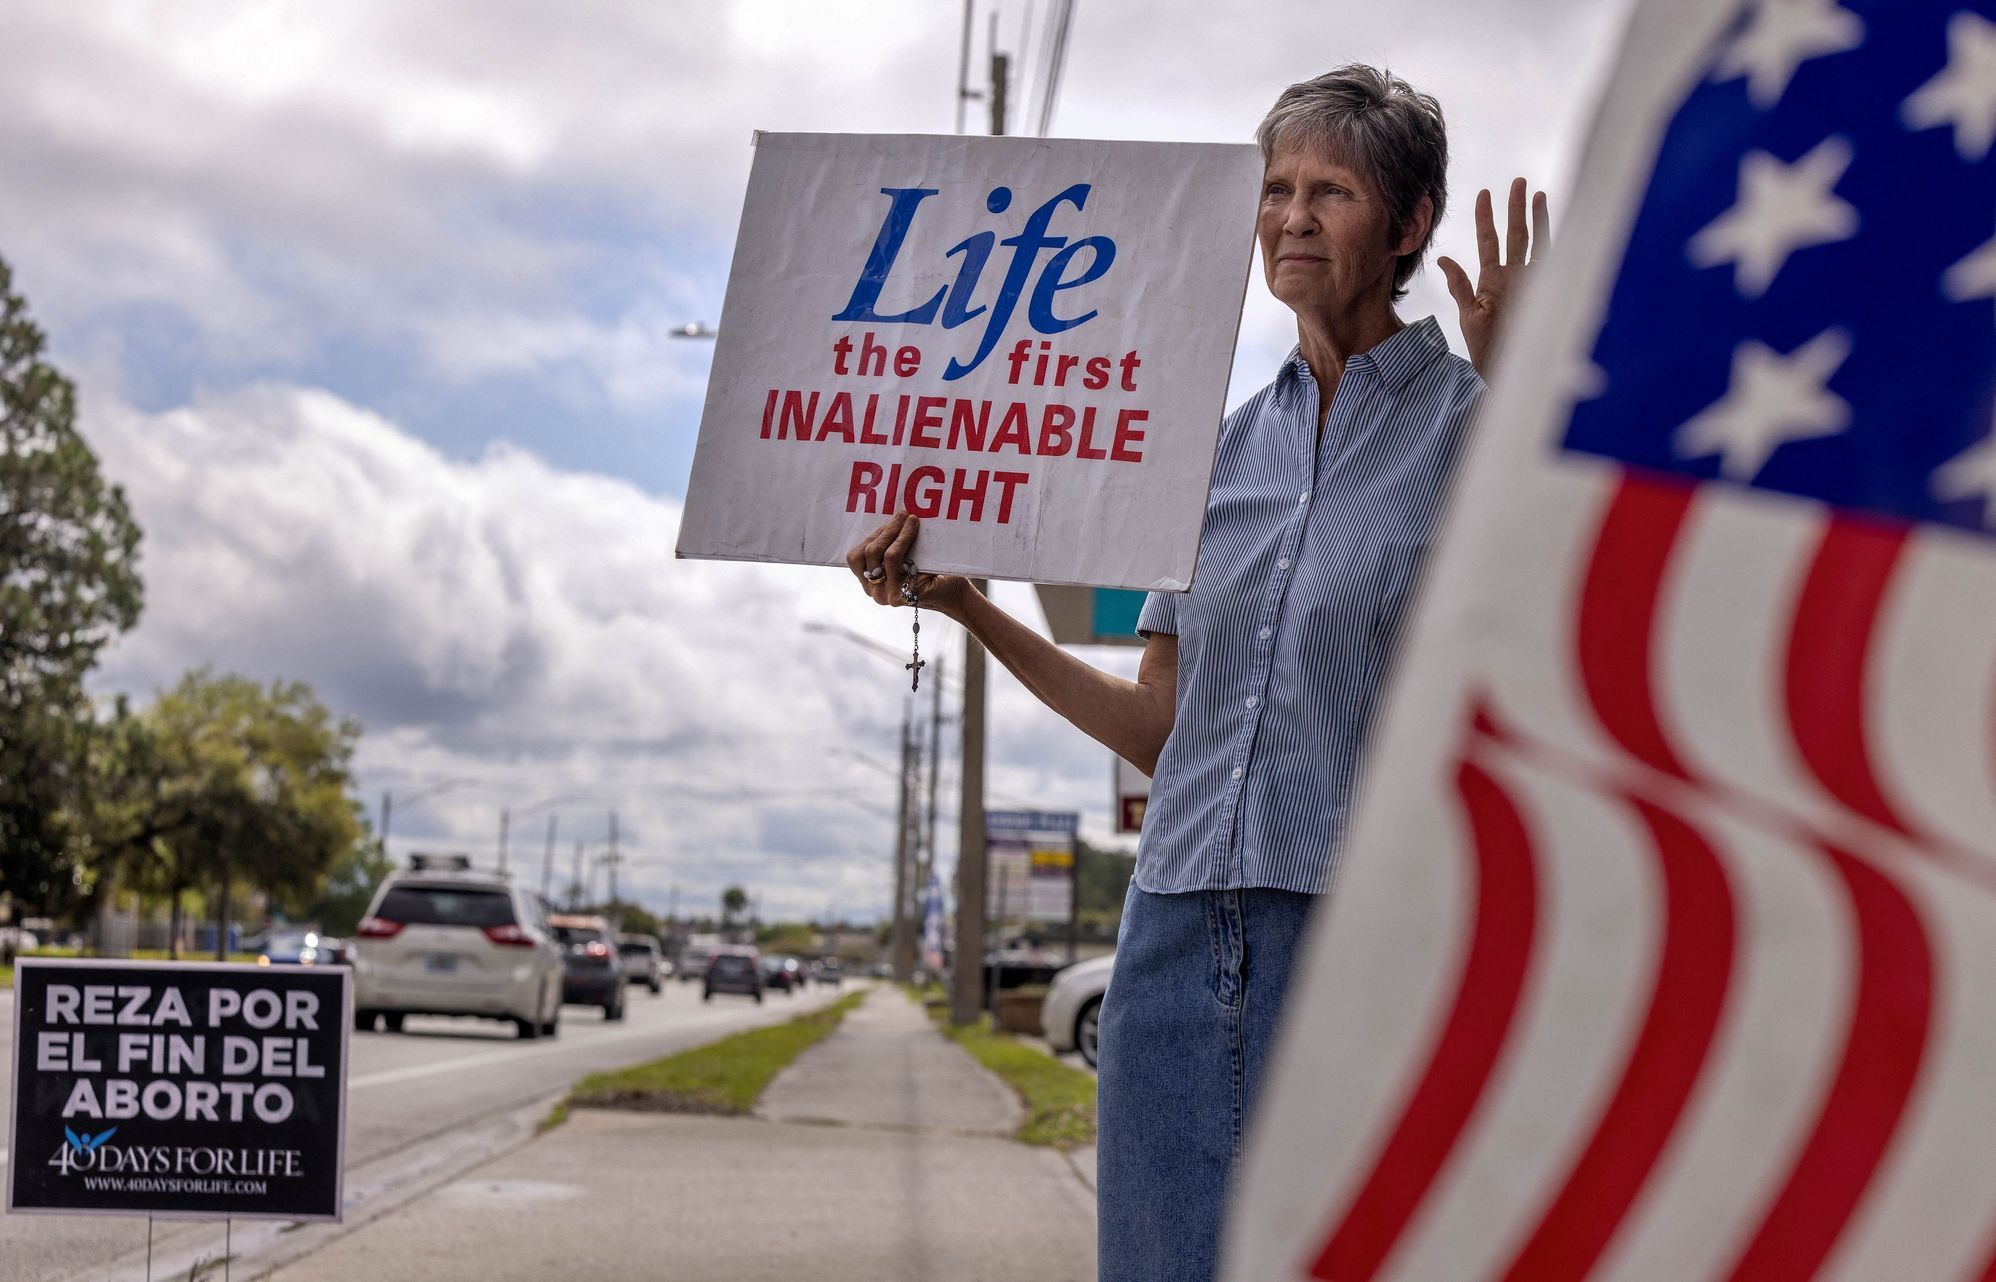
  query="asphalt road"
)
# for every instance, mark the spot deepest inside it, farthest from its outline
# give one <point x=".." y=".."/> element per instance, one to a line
<point x="403" y="1089"/>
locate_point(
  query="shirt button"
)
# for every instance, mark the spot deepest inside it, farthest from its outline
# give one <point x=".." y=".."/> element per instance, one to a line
<point x="1305" y="498"/>
<point x="1265" y="633"/>
<point x="1253" y="700"/>
<point x="1237" y="772"/>
<point x="1283" y="564"/>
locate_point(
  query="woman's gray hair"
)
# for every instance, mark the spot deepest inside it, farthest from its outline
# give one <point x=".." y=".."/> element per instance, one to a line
<point x="1378" y="124"/>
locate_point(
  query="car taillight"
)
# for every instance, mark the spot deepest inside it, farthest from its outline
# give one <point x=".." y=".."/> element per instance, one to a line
<point x="378" y="928"/>
<point x="509" y="936"/>
<point x="596" y="950"/>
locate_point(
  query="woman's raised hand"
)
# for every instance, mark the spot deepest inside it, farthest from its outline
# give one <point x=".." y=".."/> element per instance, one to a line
<point x="1498" y="279"/>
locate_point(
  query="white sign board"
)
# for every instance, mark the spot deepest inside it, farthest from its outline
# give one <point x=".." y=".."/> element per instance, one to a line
<point x="1024" y="342"/>
<point x="1665" y="938"/>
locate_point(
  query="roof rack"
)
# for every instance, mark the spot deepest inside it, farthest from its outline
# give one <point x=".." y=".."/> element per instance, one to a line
<point x="421" y="862"/>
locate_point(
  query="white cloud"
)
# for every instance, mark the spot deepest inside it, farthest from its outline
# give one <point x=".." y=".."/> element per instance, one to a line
<point x="292" y="172"/>
<point x="509" y="189"/>
<point x="528" y="630"/>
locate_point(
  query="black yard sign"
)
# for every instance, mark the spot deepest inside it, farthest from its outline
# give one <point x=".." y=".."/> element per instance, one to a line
<point x="178" y="1089"/>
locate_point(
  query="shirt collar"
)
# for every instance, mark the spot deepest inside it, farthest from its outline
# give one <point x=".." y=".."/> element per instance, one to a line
<point x="1393" y="362"/>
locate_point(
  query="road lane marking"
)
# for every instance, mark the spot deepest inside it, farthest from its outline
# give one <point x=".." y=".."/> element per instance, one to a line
<point x="509" y="1051"/>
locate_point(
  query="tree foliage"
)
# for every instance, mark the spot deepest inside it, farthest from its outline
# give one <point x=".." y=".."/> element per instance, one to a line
<point x="734" y="901"/>
<point x="69" y="583"/>
<point x="224" y="781"/>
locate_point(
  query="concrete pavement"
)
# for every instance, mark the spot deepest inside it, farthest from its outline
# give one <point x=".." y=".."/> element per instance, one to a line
<point x="424" y="1106"/>
<point x="881" y="1154"/>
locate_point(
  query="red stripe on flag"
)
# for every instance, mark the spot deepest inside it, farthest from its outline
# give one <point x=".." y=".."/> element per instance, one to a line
<point x="1693" y="972"/>
<point x="1467" y="1048"/>
<point x="1836" y="618"/>
<point x="1618" y="613"/>
<point x="1887" y="1038"/>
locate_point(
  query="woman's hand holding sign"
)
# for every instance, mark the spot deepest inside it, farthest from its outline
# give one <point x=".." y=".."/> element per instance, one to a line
<point x="881" y="562"/>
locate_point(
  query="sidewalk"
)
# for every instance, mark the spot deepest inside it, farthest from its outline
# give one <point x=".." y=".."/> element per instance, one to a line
<point x="879" y="1155"/>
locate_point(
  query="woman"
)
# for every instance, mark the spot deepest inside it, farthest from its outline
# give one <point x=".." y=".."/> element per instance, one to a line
<point x="1255" y="690"/>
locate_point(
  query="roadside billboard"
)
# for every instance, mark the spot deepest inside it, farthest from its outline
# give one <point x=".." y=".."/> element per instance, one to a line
<point x="1029" y="855"/>
<point x="178" y="1089"/>
<point x="1023" y="341"/>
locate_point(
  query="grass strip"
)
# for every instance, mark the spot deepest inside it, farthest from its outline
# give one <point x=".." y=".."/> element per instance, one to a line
<point x="142" y="954"/>
<point x="1059" y="1099"/>
<point x="725" y="1077"/>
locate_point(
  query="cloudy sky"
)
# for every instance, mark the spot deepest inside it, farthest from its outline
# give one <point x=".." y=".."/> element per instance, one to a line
<point x="371" y="306"/>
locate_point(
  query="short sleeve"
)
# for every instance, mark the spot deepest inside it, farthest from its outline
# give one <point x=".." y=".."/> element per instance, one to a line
<point x="1160" y="614"/>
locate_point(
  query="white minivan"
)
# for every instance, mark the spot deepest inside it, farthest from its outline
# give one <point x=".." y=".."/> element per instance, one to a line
<point x="442" y="939"/>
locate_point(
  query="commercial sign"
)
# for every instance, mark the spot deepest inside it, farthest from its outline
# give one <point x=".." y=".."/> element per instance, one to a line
<point x="1664" y="939"/>
<point x="1025" y="342"/>
<point x="1029" y="856"/>
<point x="178" y="1089"/>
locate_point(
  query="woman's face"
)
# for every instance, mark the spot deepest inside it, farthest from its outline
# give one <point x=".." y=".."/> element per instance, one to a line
<point x="1326" y="238"/>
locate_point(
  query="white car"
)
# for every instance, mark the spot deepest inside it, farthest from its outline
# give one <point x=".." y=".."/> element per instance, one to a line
<point x="441" y="939"/>
<point x="1073" y="1006"/>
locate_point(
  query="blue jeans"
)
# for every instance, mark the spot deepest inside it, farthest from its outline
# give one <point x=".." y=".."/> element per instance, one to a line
<point x="1187" y="1024"/>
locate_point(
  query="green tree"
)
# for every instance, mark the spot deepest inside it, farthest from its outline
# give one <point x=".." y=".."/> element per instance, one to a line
<point x="734" y="901"/>
<point x="342" y="900"/>
<point x="633" y="919"/>
<point x="69" y="583"/>
<point x="223" y="781"/>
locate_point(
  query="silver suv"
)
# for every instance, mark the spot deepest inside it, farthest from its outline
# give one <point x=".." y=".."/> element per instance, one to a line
<point x="442" y="939"/>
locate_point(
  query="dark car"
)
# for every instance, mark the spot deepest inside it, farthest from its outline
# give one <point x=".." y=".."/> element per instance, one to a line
<point x="784" y="974"/>
<point x="733" y="970"/>
<point x="290" y="947"/>
<point x="828" y="971"/>
<point x="592" y="974"/>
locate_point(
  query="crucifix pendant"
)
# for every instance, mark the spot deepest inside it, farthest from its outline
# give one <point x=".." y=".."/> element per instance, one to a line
<point x="915" y="664"/>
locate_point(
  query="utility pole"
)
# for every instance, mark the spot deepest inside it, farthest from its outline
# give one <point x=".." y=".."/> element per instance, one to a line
<point x="387" y="809"/>
<point x="927" y="867"/>
<point x="1001" y="67"/>
<point x="547" y="860"/>
<point x="612" y="859"/>
<point x="575" y="879"/>
<point x="964" y="93"/>
<point x="967" y="978"/>
<point x="901" y="936"/>
<point x="505" y="818"/>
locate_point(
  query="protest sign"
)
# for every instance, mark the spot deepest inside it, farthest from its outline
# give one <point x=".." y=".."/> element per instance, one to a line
<point x="1663" y="940"/>
<point x="1025" y="342"/>
<point x="179" y="1089"/>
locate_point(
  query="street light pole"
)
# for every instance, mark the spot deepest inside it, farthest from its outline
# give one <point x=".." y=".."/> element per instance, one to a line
<point x="901" y="941"/>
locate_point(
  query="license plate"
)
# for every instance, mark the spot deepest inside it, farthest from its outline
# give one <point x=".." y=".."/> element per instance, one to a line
<point x="442" y="962"/>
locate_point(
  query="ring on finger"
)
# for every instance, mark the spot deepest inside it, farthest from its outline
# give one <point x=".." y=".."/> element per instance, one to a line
<point x="874" y="574"/>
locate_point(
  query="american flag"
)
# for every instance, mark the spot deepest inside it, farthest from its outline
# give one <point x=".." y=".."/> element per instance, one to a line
<point x="1666" y="947"/>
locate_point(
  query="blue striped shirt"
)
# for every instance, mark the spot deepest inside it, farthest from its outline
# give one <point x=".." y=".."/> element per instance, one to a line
<point x="1308" y="555"/>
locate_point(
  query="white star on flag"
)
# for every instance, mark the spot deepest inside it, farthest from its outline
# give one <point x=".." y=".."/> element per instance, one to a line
<point x="1962" y="94"/>
<point x="1781" y="208"/>
<point x="1974" y="276"/>
<point x="1971" y="472"/>
<point x="1772" y="400"/>
<point x="1781" y="36"/>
